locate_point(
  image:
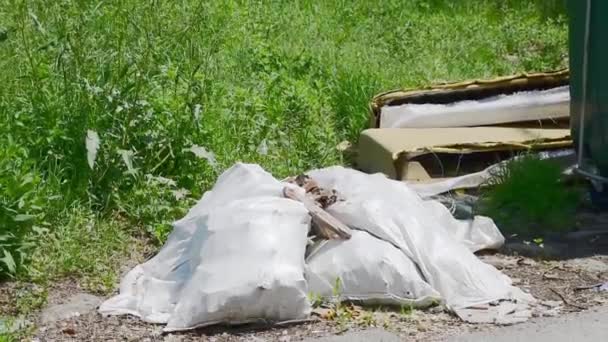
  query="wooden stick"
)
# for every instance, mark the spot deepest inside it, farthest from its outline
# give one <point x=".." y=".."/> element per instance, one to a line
<point x="328" y="226"/>
<point x="567" y="302"/>
<point x="588" y="287"/>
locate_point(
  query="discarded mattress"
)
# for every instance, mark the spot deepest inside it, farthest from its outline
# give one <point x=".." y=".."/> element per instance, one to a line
<point x="522" y="106"/>
<point x="538" y="100"/>
<point x="429" y="154"/>
<point x="239" y="256"/>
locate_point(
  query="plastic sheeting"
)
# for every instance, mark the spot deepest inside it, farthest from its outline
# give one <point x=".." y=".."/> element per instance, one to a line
<point x="477" y="179"/>
<point x="518" y="107"/>
<point x="238" y="255"/>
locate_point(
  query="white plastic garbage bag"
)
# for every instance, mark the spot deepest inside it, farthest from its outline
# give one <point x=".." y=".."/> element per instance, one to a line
<point x="389" y="210"/>
<point x="249" y="266"/>
<point x="237" y="256"/>
<point x="369" y="270"/>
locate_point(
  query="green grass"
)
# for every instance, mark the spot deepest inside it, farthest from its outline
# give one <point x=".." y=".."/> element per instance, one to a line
<point x="528" y="197"/>
<point x="7" y="338"/>
<point x="155" y="78"/>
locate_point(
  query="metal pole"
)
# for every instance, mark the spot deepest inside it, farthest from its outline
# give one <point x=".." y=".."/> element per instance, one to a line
<point x="581" y="129"/>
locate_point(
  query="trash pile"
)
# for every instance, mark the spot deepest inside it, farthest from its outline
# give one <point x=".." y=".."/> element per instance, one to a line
<point x="254" y="248"/>
<point x="435" y="133"/>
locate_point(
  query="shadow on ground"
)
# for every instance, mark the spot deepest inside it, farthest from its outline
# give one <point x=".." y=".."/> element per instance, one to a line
<point x="590" y="238"/>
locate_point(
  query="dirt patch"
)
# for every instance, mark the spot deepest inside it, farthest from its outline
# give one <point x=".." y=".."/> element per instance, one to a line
<point x="7" y="298"/>
<point x="554" y="281"/>
<point x="557" y="280"/>
<point x="418" y="326"/>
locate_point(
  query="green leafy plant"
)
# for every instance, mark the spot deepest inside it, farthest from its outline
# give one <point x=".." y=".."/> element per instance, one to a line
<point x="13" y="329"/>
<point x="406" y="310"/>
<point x="315" y="299"/>
<point x="367" y="319"/>
<point x="20" y="207"/>
<point x="153" y="204"/>
<point x="7" y="338"/>
<point x="527" y="196"/>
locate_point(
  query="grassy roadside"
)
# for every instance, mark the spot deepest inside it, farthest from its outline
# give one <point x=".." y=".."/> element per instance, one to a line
<point x="178" y="91"/>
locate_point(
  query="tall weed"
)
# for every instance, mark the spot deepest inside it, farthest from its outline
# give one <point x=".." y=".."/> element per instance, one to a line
<point x="528" y="197"/>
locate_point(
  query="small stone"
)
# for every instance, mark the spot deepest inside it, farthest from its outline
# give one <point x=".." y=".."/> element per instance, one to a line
<point x="421" y="327"/>
<point x="69" y="331"/>
<point x="254" y="339"/>
<point x="526" y="262"/>
<point x="436" y="309"/>
<point x="552" y="313"/>
<point x="76" y="305"/>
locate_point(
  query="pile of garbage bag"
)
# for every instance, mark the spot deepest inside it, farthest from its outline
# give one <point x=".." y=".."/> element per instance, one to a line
<point x="244" y="253"/>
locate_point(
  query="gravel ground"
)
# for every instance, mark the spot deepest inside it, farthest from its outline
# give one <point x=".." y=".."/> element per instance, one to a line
<point x="422" y="326"/>
<point x="553" y="281"/>
<point x="563" y="280"/>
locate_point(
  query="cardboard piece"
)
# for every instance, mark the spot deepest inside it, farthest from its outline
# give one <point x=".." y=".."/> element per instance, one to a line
<point x="425" y="154"/>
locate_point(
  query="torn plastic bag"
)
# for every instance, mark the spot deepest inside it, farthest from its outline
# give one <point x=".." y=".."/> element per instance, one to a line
<point x="394" y="213"/>
<point x="369" y="270"/>
<point x="237" y="256"/>
<point x="477" y="234"/>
